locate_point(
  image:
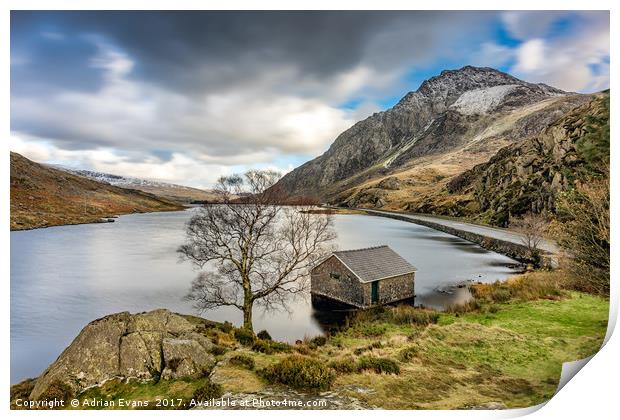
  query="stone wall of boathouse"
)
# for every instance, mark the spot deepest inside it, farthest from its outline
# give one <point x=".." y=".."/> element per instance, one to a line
<point x="349" y="290"/>
<point x="393" y="289"/>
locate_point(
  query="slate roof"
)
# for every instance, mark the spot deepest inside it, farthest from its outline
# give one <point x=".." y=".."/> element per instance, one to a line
<point x="376" y="263"/>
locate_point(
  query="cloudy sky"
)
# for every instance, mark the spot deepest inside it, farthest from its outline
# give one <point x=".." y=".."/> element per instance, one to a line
<point x="185" y="97"/>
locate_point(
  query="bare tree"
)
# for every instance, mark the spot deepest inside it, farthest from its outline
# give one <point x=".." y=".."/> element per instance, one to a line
<point x="256" y="250"/>
<point x="532" y="228"/>
<point x="583" y="231"/>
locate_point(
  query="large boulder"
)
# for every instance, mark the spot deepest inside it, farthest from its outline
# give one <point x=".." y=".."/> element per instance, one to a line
<point x="148" y="345"/>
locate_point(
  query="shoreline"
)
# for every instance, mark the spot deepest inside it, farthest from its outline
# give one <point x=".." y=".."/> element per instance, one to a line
<point x="406" y="345"/>
<point x="100" y="219"/>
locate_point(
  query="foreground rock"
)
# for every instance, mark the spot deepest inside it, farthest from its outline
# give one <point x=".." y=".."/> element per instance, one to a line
<point x="148" y="345"/>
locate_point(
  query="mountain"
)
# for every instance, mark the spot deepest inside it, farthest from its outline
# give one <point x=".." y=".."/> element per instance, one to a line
<point x="173" y="192"/>
<point x="42" y="196"/>
<point x="403" y="158"/>
<point x="528" y="176"/>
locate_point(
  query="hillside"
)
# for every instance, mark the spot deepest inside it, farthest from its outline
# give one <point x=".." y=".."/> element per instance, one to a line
<point x="172" y="192"/>
<point x="528" y="176"/>
<point x="42" y="196"/>
<point x="402" y="158"/>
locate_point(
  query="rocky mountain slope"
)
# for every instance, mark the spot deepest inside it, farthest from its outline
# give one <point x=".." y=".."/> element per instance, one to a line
<point x="43" y="196"/>
<point x="402" y="158"/>
<point x="527" y="176"/>
<point x="173" y="192"/>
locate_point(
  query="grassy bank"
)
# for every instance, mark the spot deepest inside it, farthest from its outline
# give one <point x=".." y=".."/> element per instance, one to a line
<point x="505" y="350"/>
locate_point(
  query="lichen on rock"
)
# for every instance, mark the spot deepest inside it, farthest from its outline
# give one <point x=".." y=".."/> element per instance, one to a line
<point x="146" y="346"/>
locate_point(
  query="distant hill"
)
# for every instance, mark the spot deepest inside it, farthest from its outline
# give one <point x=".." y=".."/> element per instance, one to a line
<point x="173" y="192"/>
<point x="44" y="196"/>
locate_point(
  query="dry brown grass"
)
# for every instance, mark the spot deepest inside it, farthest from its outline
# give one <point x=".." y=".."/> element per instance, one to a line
<point x="550" y="285"/>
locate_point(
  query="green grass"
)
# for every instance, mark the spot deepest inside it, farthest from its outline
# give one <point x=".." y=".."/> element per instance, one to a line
<point x="512" y="354"/>
<point x="180" y="391"/>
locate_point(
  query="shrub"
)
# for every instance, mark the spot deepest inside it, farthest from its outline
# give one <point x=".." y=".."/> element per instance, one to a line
<point x="378" y="364"/>
<point x="270" y="347"/>
<point x="584" y="232"/>
<point x="303" y="349"/>
<point x="345" y="365"/>
<point x="218" y="350"/>
<point x="404" y="314"/>
<point x="279" y="347"/>
<point x="319" y="340"/>
<point x="522" y="288"/>
<point x="370" y="330"/>
<point x="244" y="337"/>
<point x="501" y="294"/>
<point x="242" y="360"/>
<point x="208" y="391"/>
<point x="22" y="391"/>
<point x="409" y="353"/>
<point x="57" y="390"/>
<point x="461" y="308"/>
<point x="366" y="315"/>
<point x="526" y="287"/>
<point x="264" y="335"/>
<point x="226" y="326"/>
<point x="300" y="372"/>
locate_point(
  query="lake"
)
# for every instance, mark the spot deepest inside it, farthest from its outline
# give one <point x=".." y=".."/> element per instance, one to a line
<point x="63" y="277"/>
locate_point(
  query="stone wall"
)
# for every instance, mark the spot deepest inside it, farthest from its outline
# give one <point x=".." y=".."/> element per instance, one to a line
<point x="347" y="289"/>
<point x="395" y="288"/>
<point x="513" y="250"/>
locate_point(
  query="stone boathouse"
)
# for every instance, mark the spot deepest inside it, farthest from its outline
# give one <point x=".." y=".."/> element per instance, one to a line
<point x="363" y="277"/>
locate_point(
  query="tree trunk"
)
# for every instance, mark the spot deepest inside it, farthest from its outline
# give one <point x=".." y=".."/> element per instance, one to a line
<point x="248" y="302"/>
<point x="247" y="316"/>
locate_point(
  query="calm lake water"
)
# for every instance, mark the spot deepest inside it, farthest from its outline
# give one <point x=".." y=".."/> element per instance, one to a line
<point x="63" y="277"/>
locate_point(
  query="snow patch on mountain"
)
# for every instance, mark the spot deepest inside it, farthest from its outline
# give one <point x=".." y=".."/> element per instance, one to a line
<point x="118" y="180"/>
<point x="481" y="101"/>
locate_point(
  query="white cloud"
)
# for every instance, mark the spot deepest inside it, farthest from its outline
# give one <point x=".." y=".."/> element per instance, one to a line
<point x="54" y="36"/>
<point x="255" y="108"/>
<point x="492" y="54"/>
<point x="364" y="110"/>
<point x="246" y="127"/>
<point x="530" y="55"/>
<point x="243" y="126"/>
<point x="180" y="169"/>
<point x="576" y="60"/>
<point x="34" y="149"/>
<point x="529" y="24"/>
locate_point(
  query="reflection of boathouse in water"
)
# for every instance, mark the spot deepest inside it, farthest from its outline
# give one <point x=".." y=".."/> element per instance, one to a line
<point x="363" y="277"/>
